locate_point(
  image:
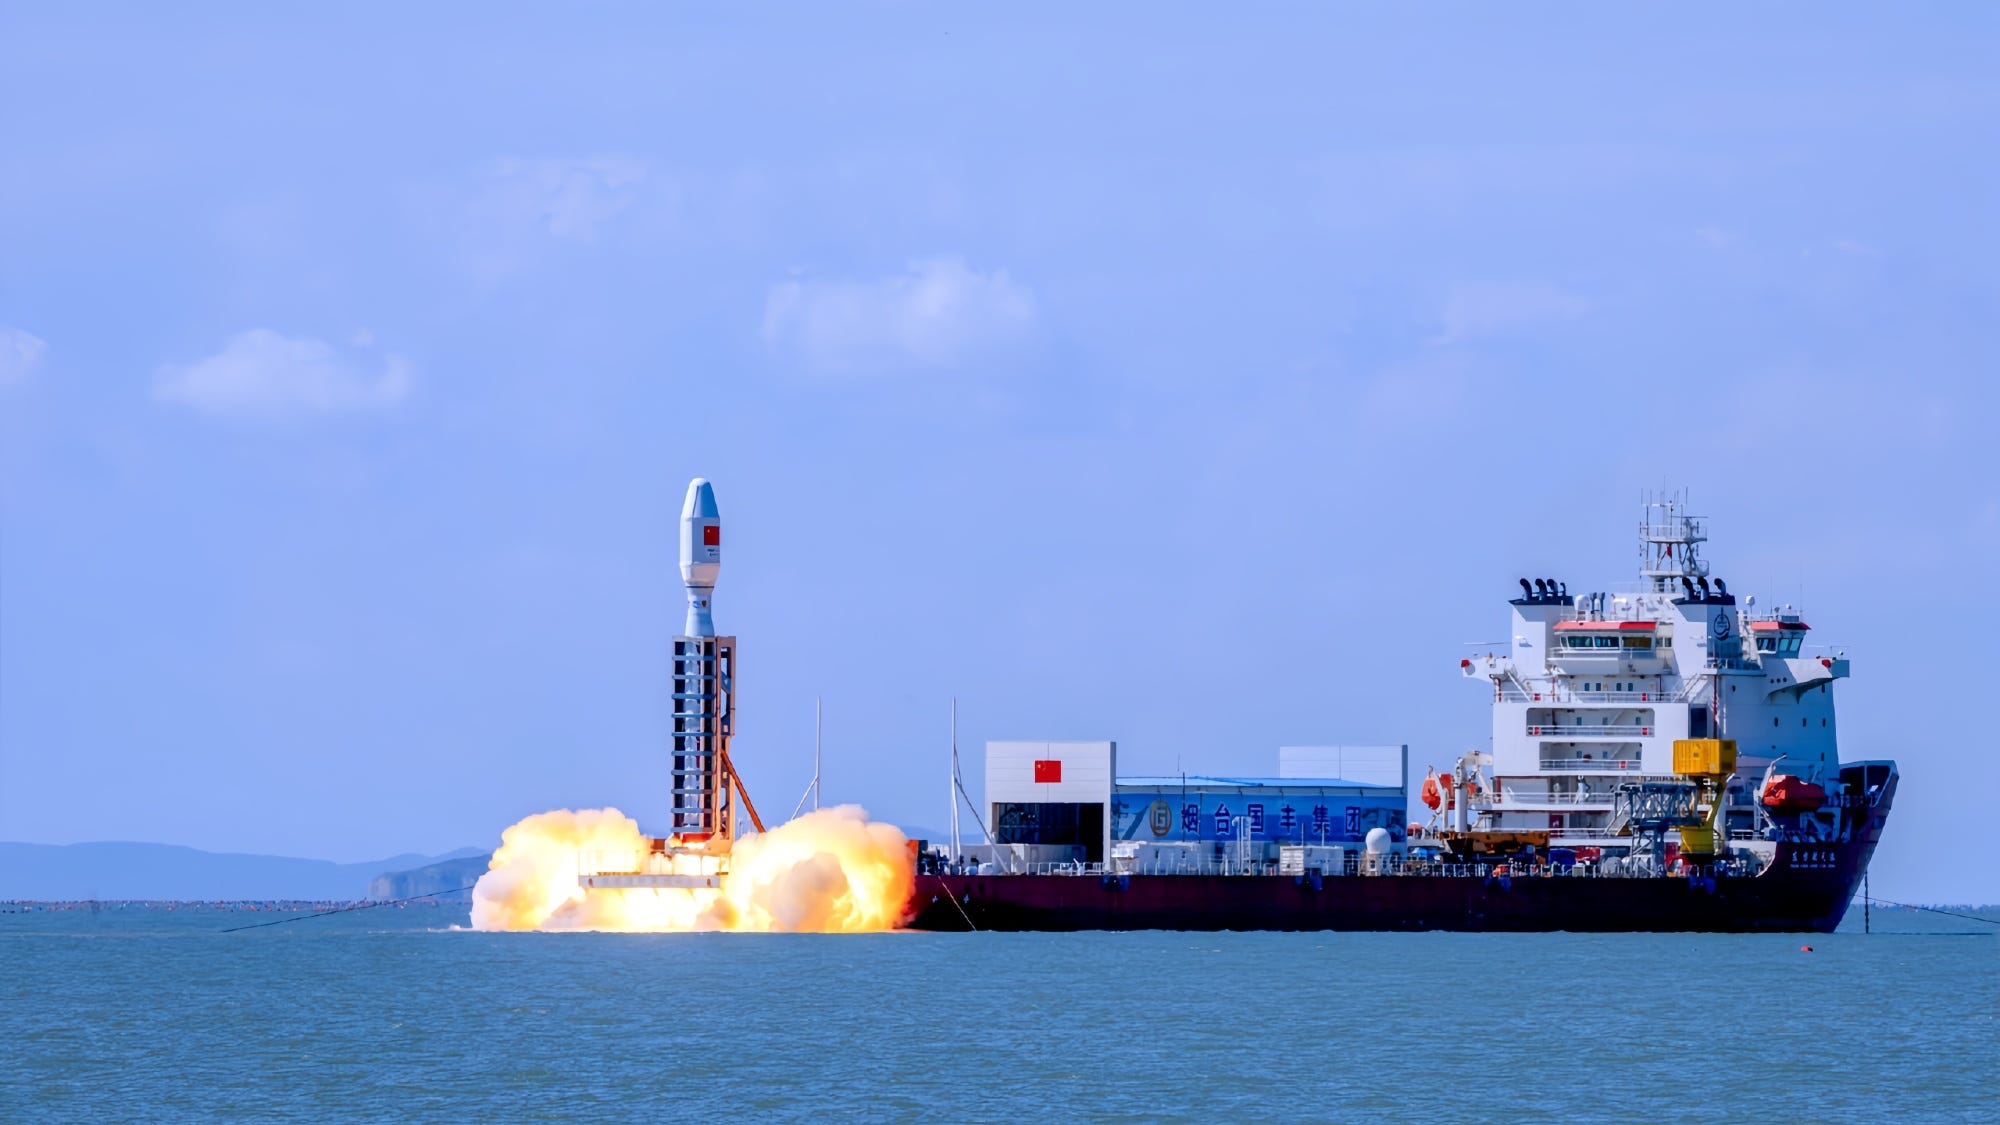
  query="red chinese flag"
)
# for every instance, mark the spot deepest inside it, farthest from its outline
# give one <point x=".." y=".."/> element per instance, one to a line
<point x="711" y="536"/>
<point x="1048" y="769"/>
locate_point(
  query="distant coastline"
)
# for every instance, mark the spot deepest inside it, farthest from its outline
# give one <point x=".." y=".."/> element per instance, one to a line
<point x="123" y="872"/>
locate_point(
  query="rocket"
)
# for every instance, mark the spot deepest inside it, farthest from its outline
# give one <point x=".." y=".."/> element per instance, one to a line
<point x="701" y="554"/>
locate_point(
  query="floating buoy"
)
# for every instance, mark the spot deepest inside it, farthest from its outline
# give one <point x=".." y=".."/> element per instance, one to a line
<point x="1805" y="949"/>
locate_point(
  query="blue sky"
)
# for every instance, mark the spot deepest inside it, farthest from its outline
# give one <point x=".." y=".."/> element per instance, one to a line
<point x="1127" y="373"/>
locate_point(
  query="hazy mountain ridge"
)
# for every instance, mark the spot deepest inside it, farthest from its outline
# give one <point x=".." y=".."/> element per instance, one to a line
<point x="450" y="880"/>
<point x="125" y="870"/>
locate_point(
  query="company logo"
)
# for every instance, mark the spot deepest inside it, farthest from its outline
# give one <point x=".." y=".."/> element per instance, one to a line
<point x="1720" y="626"/>
<point x="1160" y="818"/>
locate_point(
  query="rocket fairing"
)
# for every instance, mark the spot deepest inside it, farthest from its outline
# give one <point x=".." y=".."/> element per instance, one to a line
<point x="701" y="554"/>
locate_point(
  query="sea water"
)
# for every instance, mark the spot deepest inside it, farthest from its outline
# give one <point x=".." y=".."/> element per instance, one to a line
<point x="399" y="1014"/>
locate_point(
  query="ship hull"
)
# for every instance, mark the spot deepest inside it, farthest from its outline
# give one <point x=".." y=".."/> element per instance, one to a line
<point x="1806" y="889"/>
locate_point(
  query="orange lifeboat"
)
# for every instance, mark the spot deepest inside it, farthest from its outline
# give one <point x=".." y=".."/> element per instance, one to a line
<point x="1789" y="794"/>
<point x="1432" y="798"/>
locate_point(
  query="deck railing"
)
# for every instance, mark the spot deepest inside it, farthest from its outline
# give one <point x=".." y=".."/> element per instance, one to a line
<point x="1542" y="730"/>
<point x="1359" y="867"/>
<point x="1505" y="800"/>
<point x="1513" y="695"/>
<point x="1590" y="765"/>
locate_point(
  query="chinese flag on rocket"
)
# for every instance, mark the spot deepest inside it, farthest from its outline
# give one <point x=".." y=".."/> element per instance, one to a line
<point x="711" y="536"/>
<point x="1048" y="769"/>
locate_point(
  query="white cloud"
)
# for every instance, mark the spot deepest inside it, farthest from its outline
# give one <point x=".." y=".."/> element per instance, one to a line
<point x="1494" y="307"/>
<point x="1716" y="238"/>
<point x="262" y="374"/>
<point x="1424" y="394"/>
<point x="20" y="353"/>
<point x="564" y="198"/>
<point x="938" y="313"/>
<point x="518" y="210"/>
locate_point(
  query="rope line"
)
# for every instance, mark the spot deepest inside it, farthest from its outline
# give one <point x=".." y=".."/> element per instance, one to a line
<point x="1932" y="909"/>
<point x="953" y="896"/>
<point x="346" y="910"/>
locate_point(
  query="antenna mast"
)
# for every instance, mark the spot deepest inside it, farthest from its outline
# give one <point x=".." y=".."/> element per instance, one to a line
<point x="954" y="778"/>
<point x="1670" y="542"/>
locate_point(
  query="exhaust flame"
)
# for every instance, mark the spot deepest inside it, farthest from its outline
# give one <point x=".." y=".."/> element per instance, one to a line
<point x="829" y="871"/>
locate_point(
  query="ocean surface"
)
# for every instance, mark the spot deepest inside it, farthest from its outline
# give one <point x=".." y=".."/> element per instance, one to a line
<point x="125" y="1014"/>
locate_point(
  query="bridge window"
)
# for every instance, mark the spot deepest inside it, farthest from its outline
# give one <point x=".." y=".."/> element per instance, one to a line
<point x="1071" y="824"/>
<point x="1781" y="643"/>
<point x="1639" y="642"/>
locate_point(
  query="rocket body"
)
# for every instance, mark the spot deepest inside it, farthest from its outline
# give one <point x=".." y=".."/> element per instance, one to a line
<point x="704" y="667"/>
<point x="701" y="554"/>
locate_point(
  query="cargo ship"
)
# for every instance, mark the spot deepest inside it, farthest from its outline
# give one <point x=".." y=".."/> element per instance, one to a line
<point x="1663" y="758"/>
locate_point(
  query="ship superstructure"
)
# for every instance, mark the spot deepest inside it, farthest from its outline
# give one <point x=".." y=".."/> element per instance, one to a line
<point x="1597" y="687"/>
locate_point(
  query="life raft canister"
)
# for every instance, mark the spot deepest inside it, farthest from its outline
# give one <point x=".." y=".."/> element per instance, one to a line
<point x="1786" y="793"/>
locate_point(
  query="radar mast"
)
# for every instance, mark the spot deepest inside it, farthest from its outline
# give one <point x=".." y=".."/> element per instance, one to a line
<point x="1669" y="542"/>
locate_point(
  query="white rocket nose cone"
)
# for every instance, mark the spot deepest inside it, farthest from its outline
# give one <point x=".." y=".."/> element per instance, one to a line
<point x="701" y="554"/>
<point x="700" y="500"/>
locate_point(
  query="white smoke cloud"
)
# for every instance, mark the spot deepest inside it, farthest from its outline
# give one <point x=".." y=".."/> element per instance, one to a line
<point x="829" y="871"/>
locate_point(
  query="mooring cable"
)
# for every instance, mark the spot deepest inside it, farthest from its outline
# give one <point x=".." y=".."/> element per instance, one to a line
<point x="953" y="896"/>
<point x="1932" y="909"/>
<point x="347" y="909"/>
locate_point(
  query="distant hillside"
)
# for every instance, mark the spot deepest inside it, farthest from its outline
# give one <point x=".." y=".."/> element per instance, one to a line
<point x="450" y="880"/>
<point x="166" y="871"/>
